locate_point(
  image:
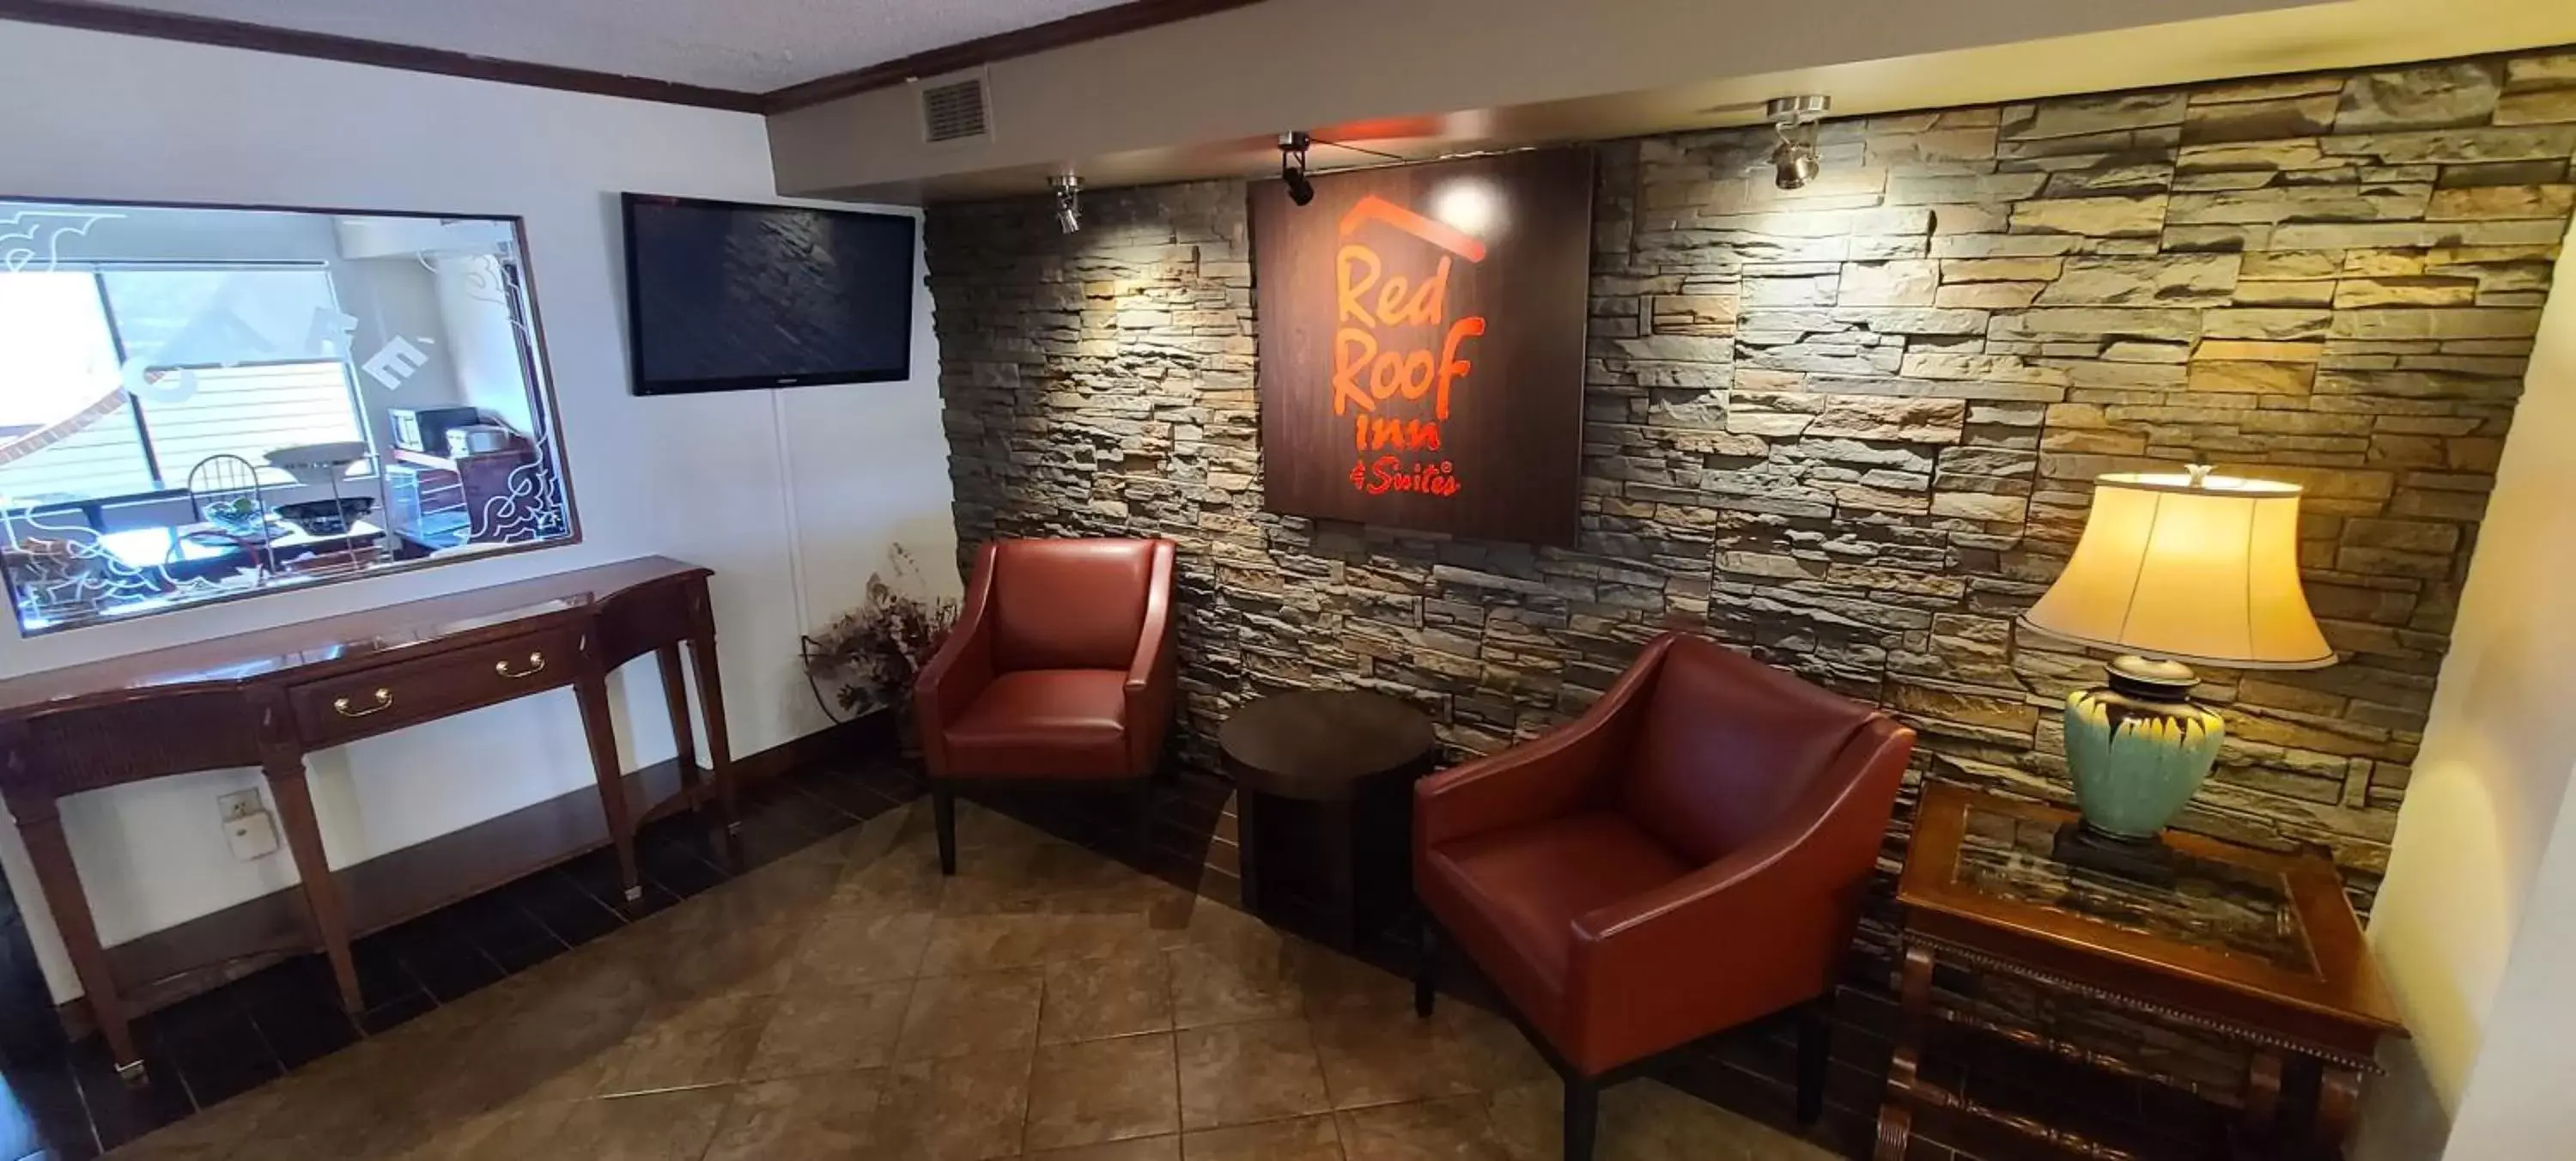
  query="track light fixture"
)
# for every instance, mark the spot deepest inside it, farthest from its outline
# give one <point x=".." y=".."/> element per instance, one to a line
<point x="1795" y="163"/>
<point x="1068" y="201"/>
<point x="1292" y="166"/>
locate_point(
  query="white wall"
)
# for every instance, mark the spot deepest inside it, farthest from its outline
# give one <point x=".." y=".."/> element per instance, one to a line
<point x="708" y="478"/>
<point x="2472" y="924"/>
<point x="482" y="351"/>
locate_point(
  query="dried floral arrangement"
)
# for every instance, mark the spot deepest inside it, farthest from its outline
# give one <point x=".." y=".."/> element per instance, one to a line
<point x="868" y="657"/>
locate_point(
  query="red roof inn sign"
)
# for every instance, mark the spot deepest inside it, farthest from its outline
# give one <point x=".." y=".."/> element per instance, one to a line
<point x="1422" y="344"/>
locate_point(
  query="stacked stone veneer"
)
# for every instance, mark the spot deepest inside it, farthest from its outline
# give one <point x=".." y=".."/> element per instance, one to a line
<point x="1853" y="428"/>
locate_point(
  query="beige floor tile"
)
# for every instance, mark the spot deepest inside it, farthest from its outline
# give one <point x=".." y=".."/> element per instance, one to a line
<point x="830" y="1030"/>
<point x="1234" y="1074"/>
<point x="694" y="1043"/>
<point x="1529" y="1119"/>
<point x="979" y="943"/>
<point x="1166" y="1148"/>
<point x="1645" y="1120"/>
<point x="1332" y="982"/>
<point x="551" y="1044"/>
<point x="856" y="949"/>
<point x="790" y="890"/>
<point x="210" y="1135"/>
<point x="849" y="1001"/>
<point x="1450" y="1129"/>
<point x="994" y="881"/>
<point x="356" y="1103"/>
<point x="662" y="1126"/>
<point x="979" y="828"/>
<point x="1091" y="999"/>
<point x="1375" y="1054"/>
<point x="1103" y="1090"/>
<point x="519" y="1132"/>
<point x="1219" y="927"/>
<point x="977" y="1012"/>
<point x="1225" y="986"/>
<point x="821" y="1117"/>
<point x="962" y="1109"/>
<point x="719" y="961"/>
<point x="881" y="876"/>
<point x="1303" y="1139"/>
<point x="1026" y="877"/>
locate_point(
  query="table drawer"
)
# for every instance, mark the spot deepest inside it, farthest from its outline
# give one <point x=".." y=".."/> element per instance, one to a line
<point x="401" y="693"/>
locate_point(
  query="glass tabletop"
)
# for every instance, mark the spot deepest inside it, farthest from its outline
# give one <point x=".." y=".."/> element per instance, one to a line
<point x="2239" y="910"/>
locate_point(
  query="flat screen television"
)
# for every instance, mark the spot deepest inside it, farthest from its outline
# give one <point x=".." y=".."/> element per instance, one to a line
<point x="724" y="296"/>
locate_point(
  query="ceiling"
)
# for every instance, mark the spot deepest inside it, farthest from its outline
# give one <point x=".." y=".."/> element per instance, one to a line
<point x="744" y="45"/>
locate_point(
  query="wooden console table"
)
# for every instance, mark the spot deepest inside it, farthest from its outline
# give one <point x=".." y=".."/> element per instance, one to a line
<point x="268" y="698"/>
<point x="2247" y="946"/>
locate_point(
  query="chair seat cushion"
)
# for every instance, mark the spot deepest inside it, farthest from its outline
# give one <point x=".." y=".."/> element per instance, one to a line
<point x="1512" y="895"/>
<point x="1044" y="723"/>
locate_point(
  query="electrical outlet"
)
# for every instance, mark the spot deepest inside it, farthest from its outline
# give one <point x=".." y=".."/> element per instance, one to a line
<point x="239" y="804"/>
<point x="252" y="836"/>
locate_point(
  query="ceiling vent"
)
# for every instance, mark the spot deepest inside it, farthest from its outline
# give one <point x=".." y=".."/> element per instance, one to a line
<point x="953" y="109"/>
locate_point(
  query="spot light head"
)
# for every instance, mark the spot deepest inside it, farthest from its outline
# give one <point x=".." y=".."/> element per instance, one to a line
<point x="1068" y="201"/>
<point x="1793" y="165"/>
<point x="1795" y="162"/>
<point x="1292" y="166"/>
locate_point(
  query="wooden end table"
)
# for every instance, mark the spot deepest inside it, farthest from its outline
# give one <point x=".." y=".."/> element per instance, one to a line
<point x="1354" y="756"/>
<point x="2255" y="947"/>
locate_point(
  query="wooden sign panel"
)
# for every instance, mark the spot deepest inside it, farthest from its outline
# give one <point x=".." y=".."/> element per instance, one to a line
<point x="1422" y="344"/>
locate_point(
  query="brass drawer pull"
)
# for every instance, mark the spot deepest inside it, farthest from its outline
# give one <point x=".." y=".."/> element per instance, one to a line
<point x="384" y="701"/>
<point x="536" y="663"/>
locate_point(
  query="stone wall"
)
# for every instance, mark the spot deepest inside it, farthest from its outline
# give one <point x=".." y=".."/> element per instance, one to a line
<point x="1853" y="427"/>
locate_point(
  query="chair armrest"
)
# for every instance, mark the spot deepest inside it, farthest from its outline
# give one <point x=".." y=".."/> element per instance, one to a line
<point x="1546" y="778"/>
<point x="1760" y="929"/>
<point x="1154" y="652"/>
<point x="961" y="668"/>
<point x="1154" y="675"/>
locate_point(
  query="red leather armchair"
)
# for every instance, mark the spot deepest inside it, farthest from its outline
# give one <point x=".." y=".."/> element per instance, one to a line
<point x="1061" y="669"/>
<point x="1687" y="856"/>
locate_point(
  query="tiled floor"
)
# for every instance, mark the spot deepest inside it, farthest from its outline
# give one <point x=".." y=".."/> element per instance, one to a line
<point x="847" y="1001"/>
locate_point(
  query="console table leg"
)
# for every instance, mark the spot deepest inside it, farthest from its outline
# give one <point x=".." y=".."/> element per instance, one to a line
<point x="591" y="692"/>
<point x="2338" y="1095"/>
<point x="60" y="879"/>
<point x="2262" y="1091"/>
<point x="1914" y="1018"/>
<point x="286" y="784"/>
<point x="702" y="657"/>
<point x="675" y="696"/>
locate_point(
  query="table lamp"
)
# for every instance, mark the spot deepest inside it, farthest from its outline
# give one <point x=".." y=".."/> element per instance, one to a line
<point x="2172" y="570"/>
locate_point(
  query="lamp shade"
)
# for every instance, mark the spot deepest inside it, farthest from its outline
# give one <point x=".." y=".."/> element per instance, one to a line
<point x="2189" y="568"/>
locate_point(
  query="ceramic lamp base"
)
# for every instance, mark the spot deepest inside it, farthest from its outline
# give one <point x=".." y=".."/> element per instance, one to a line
<point x="2139" y="749"/>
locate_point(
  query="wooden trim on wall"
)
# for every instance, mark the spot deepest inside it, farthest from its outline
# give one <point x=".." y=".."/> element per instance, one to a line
<point x="95" y="17"/>
<point x="1093" y="25"/>
<point x="1097" y="24"/>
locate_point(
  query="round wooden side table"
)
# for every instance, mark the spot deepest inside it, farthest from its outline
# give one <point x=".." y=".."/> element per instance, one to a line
<point x="1343" y="763"/>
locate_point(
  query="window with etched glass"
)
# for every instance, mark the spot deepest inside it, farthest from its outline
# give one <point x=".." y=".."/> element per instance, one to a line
<point x="200" y="403"/>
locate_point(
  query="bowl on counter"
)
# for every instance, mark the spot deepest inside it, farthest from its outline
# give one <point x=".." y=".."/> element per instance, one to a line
<point x="327" y="517"/>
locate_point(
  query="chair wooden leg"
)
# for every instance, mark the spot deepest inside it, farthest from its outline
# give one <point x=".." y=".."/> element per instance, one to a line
<point x="1582" y="1116"/>
<point x="1426" y="967"/>
<point x="1815" y="1044"/>
<point x="943" y="811"/>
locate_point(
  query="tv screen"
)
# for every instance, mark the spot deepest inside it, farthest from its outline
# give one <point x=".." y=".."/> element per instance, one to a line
<point x="722" y="296"/>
